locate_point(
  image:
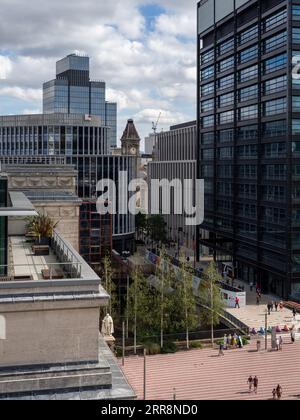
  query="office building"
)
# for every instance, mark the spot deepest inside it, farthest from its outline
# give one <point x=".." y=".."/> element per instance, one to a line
<point x="72" y="139"/>
<point x="72" y="92"/>
<point x="175" y="158"/>
<point x="249" y="138"/>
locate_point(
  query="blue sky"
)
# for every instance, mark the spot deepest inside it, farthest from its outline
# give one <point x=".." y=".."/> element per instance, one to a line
<point x="144" y="50"/>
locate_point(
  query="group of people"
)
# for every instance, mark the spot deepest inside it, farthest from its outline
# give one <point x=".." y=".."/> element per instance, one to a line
<point x="273" y="306"/>
<point x="277" y="392"/>
<point x="231" y="341"/>
<point x="253" y="384"/>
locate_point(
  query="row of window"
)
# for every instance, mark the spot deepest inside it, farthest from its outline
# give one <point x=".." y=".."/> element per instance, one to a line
<point x="270" y="108"/>
<point x="246" y="133"/>
<point x="249" y="34"/>
<point x="269" y="66"/>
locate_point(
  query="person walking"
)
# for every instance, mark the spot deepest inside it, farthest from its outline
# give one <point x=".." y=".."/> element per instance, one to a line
<point x="274" y="393"/>
<point x="221" y="350"/>
<point x="250" y="383"/>
<point x="272" y="306"/>
<point x="279" y="392"/>
<point x="257" y="300"/>
<point x="280" y="343"/>
<point x="276" y="306"/>
<point x="255" y="384"/>
<point x="251" y="286"/>
<point x="293" y="336"/>
<point x="237" y="303"/>
<point x="294" y="314"/>
<point x="225" y="342"/>
<point x="277" y="344"/>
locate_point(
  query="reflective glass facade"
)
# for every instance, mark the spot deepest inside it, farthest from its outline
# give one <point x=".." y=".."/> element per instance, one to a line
<point x="252" y="204"/>
<point x="73" y="92"/>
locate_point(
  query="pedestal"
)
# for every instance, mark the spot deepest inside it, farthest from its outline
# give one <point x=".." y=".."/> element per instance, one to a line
<point x="110" y="341"/>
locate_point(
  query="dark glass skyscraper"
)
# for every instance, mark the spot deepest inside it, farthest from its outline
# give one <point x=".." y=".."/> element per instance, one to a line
<point x="72" y="92"/>
<point x="249" y="138"/>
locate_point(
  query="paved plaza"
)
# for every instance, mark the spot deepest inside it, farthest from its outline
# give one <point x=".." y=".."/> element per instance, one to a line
<point x="202" y="375"/>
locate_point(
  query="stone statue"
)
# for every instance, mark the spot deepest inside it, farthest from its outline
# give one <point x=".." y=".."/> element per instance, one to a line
<point x="108" y="326"/>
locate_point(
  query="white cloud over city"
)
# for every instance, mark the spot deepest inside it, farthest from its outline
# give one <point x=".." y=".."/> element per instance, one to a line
<point x="144" y="50"/>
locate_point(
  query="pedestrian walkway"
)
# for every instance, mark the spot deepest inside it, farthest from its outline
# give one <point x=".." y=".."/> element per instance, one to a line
<point x="202" y="375"/>
<point x="254" y="316"/>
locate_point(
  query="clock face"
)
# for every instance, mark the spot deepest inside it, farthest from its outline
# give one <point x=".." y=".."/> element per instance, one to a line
<point x="133" y="150"/>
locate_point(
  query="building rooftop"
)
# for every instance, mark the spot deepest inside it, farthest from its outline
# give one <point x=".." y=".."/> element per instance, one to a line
<point x="51" y="119"/>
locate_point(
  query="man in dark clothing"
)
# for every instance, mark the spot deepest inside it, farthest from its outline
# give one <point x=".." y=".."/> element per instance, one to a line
<point x="255" y="383"/>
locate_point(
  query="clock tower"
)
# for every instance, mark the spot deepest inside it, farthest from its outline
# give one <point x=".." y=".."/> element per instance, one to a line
<point x="130" y="140"/>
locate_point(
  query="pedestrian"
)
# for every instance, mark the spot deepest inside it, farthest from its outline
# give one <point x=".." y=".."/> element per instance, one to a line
<point x="274" y="394"/>
<point x="293" y="336"/>
<point x="257" y="300"/>
<point x="237" y="303"/>
<point x="294" y="314"/>
<point x="279" y="392"/>
<point x="255" y="383"/>
<point x="277" y="344"/>
<point x="250" y="383"/>
<point x="251" y="286"/>
<point x="229" y="341"/>
<point x="272" y="306"/>
<point x="280" y="343"/>
<point x="276" y="306"/>
<point x="269" y="308"/>
<point x="281" y="306"/>
<point x="240" y="342"/>
<point x="221" y="348"/>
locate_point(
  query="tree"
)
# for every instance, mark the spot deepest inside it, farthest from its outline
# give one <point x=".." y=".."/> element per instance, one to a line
<point x="157" y="229"/>
<point x="211" y="298"/>
<point x="185" y="301"/>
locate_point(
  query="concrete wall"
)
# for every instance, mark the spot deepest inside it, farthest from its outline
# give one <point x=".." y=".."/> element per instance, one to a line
<point x="49" y="335"/>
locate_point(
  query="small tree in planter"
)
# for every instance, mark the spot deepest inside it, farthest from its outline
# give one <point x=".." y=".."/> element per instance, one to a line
<point x="41" y="227"/>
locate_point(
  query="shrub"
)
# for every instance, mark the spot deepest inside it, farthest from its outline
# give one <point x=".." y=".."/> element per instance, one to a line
<point x="169" y="347"/>
<point x="152" y="348"/>
<point x="196" y="345"/>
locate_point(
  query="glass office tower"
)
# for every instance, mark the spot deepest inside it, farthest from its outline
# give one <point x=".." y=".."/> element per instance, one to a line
<point x="249" y="138"/>
<point x="72" y="92"/>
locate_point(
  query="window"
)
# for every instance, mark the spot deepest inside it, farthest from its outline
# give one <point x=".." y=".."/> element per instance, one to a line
<point x="296" y="148"/>
<point x="207" y="171"/>
<point x="296" y="11"/>
<point x="207" y="56"/>
<point x="226" y="117"/>
<point x="207" y="73"/>
<point x="248" y="74"/>
<point x="208" y="138"/>
<point x="274" y="172"/>
<point x="296" y="35"/>
<point x="225" y="171"/>
<point x="248" y="93"/>
<point x="247" y="191"/>
<point x="247" y="210"/>
<point x="248" y="112"/>
<point x="274" y="150"/>
<point x="248" y="35"/>
<point x="247" y="151"/>
<point x="275" y="42"/>
<point x="249" y="132"/>
<point x="275" y="85"/>
<point x="207" y="105"/>
<point x="248" y="54"/>
<point x="276" y="63"/>
<point x="226" y="64"/>
<point x="226" y="82"/>
<point x="226" y="46"/>
<point x="226" y="100"/>
<point x="226" y="136"/>
<point x="296" y="103"/>
<point x="275" y="20"/>
<point x="208" y="154"/>
<point x="225" y="152"/>
<point x="273" y="215"/>
<point x="296" y="69"/>
<point x="208" y="121"/>
<point x="247" y="171"/>
<point x="278" y="106"/>
<point x="274" y="129"/>
<point x="273" y="193"/>
<point x="296" y="127"/>
<point x="207" y="89"/>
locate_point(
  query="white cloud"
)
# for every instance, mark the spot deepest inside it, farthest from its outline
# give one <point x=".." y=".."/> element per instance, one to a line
<point x="145" y="71"/>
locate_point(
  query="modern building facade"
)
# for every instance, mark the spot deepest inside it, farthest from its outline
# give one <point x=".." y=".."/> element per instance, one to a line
<point x="72" y="139"/>
<point x="249" y="132"/>
<point x="175" y="158"/>
<point x="72" y="92"/>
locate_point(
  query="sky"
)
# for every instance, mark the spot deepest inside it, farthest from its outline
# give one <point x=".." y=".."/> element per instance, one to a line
<point x="144" y="50"/>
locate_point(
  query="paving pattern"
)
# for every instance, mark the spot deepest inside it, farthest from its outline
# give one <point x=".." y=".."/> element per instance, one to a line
<point x="202" y="375"/>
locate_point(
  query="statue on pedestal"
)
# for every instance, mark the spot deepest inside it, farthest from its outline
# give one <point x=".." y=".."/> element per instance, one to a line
<point x="107" y="326"/>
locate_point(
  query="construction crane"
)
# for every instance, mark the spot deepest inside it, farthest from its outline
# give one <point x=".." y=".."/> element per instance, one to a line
<point x="155" y="125"/>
